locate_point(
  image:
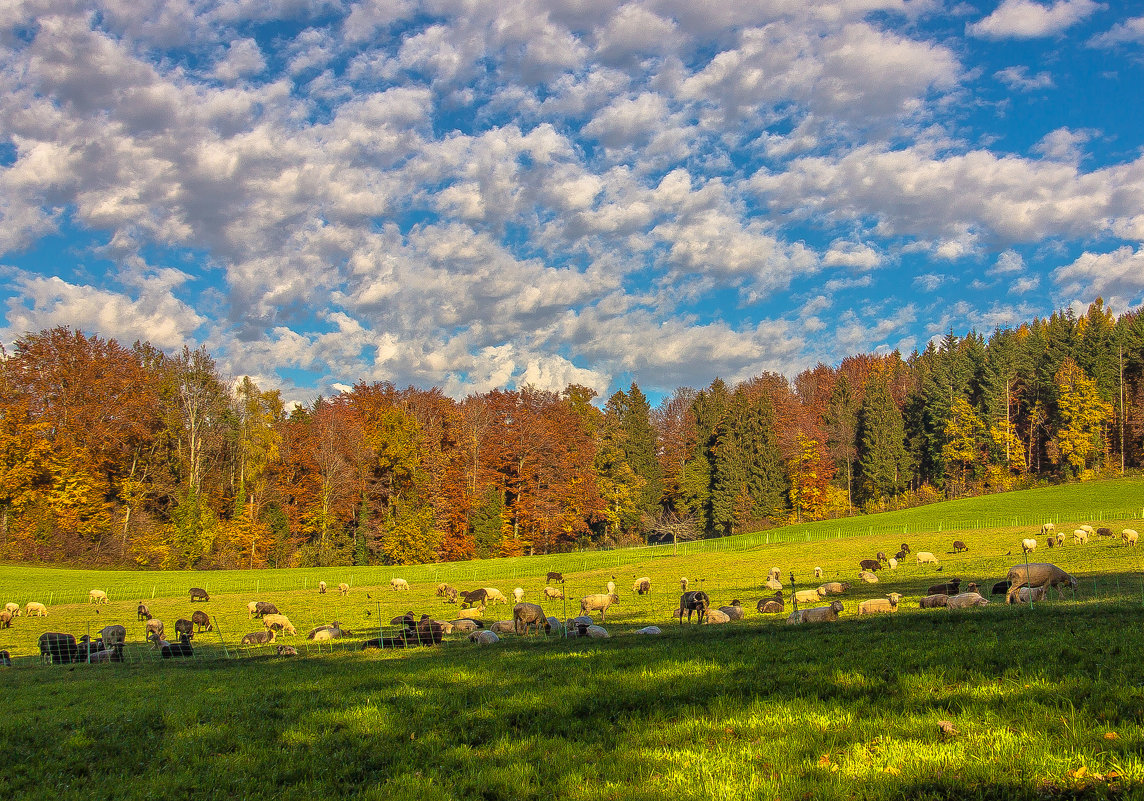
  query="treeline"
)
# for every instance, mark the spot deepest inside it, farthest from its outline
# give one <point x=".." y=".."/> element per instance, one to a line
<point x="131" y="456"/>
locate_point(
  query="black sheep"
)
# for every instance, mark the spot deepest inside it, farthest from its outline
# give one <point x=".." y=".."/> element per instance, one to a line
<point x="184" y="628"/>
<point x="199" y="594"/>
<point x="201" y="620"/>
<point x="900" y="555"/>
<point x="58" y="648"/>
<point x="959" y="546"/>
<point x="694" y="601"/>
<point x="951" y="587"/>
<point x="553" y="576"/>
<point x="5" y="659"/>
<point x="1001" y="588"/>
<point x="178" y="650"/>
<point x="881" y="557"/>
<point x="643" y="588"/>
<point x="870" y="564"/>
<point x="143" y="611"/>
<point x="905" y="548"/>
<point x="474" y="598"/>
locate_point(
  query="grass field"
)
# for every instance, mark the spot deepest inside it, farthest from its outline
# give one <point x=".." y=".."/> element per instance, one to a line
<point x="1047" y="702"/>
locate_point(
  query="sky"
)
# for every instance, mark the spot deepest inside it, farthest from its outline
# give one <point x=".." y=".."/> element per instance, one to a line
<point x="479" y="195"/>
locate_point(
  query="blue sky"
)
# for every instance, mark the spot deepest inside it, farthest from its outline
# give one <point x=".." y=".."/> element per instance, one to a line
<point x="475" y="195"/>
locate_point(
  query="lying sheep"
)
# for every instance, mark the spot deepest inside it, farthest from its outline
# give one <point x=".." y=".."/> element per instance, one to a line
<point x="600" y="603"/>
<point x="113" y="636"/>
<point x="716" y="616"/>
<point x="821" y="614"/>
<point x="34" y="609"/>
<point x="264" y="637"/>
<point x="1129" y="536"/>
<point x="12" y="609"/>
<point x="773" y="584"/>
<point x="581" y="620"/>
<point x="1001" y="588"/>
<point x="1080" y="537"/>
<point x="1026" y="595"/>
<point x="734" y="611"/>
<point x="596" y="632"/>
<point x="959" y="546"/>
<point x="202" y="621"/>
<point x="484" y="638"/>
<point x="501" y="627"/>
<point x="926" y="558"/>
<point x="286" y="650"/>
<point x="199" y="594"/>
<point x="470" y="614"/>
<point x="893" y="563"/>
<point x="555" y="625"/>
<point x="324" y="633"/>
<point x="446" y="626"/>
<point x="694" y="601"/>
<point x="650" y="630"/>
<point x="177" y="650"/>
<point x="463" y="626"/>
<point x="344" y="589"/>
<point x="951" y="587"/>
<point x="833" y="588"/>
<point x="641" y="586"/>
<point x="518" y="594"/>
<point x="774" y="573"/>
<point x="879" y="605"/>
<point x="808" y="596"/>
<point x="395" y="584"/>
<point x="770" y="606"/>
<point x="1028" y="545"/>
<point x="1039" y="574"/>
<point x="143" y="612"/>
<point x="934" y="601"/>
<point x="525" y="615"/>
<point x="868" y="577"/>
<point x="966" y="600"/>
<point x="553" y="592"/>
<point x="280" y="623"/>
<point x="97" y="597"/>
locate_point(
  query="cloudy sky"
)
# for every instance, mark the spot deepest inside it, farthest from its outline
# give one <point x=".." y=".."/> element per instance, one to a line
<point x="473" y="195"/>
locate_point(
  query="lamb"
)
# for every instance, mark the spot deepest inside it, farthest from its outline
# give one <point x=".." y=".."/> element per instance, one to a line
<point x="1080" y="537"/>
<point x="525" y="615"/>
<point x="808" y="596"/>
<point x="1026" y="595"/>
<point x="966" y="600"/>
<point x="518" y="594"/>
<point x="495" y="596"/>
<point x="1028" y="545"/>
<point x="877" y="605"/>
<point x="868" y="577"/>
<point x="1047" y="529"/>
<point x="934" y="601"/>
<point x="734" y="611"/>
<point x="715" y="616"/>
<point x="484" y="638"/>
<point x="770" y="606"/>
<point x="927" y="558"/>
<point x="818" y="572"/>
<point x="395" y="584"/>
<point x="870" y="564"/>
<point x="1049" y="541"/>
<point x="683" y="584"/>
<point x="1060" y="538"/>
<point x="264" y="637"/>
<point x="154" y="630"/>
<point x="694" y="601"/>
<point x="821" y="614"/>
<point x="321" y="588"/>
<point x="279" y="622"/>
<point x="1039" y="574"/>
<point x="959" y="546"/>
<point x="344" y="589"/>
<point x="12" y="609"/>
<point x="951" y="587"/>
<point x="593" y="603"/>
<point x="97" y="597"/>
<point x="86" y="649"/>
<point x="177" y="650"/>
<point x="34" y="609"/>
<point x="450" y="595"/>
<point x="641" y="586"/>
<point x="611" y="588"/>
<point x="199" y="594"/>
<point x="446" y="626"/>
<point x="286" y="650"/>
<point x="5" y="619"/>
<point x="1129" y="536"/>
<point x="143" y="612"/>
<point x="184" y="627"/>
<point x="833" y="588"/>
<point x="553" y="578"/>
<point x="202" y="621"/>
<point x="773" y="584"/>
<point x="552" y="592"/>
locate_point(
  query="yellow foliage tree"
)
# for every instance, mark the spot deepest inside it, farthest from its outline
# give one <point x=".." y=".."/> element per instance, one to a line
<point x="1083" y="414"/>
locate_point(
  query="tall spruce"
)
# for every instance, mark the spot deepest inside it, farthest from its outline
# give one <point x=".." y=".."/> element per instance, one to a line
<point x="640" y="447"/>
<point x="883" y="460"/>
<point x="841" y="423"/>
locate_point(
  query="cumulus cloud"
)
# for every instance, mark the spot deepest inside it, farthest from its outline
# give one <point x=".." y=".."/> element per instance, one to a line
<point x="1131" y="31"/>
<point x="1118" y="277"/>
<point x="1025" y="19"/>
<point x="1019" y="79"/>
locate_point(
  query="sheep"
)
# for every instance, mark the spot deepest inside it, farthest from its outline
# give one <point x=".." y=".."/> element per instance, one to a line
<point x="1026" y="595"/>
<point x="177" y="650"/>
<point x="734" y="611"/>
<point x="469" y="614"/>
<point x="474" y="598"/>
<point x="34" y="609"/>
<point x="893" y="563"/>
<point x="280" y="622"/>
<point x="833" y="588"/>
<point x="525" y="615"/>
<point x="202" y="621"/>
<point x="868" y="577"/>
<point x="821" y="614"/>
<point x="900" y="556"/>
<point x="97" y="597"/>
<point x="1047" y="529"/>
<point x="925" y="557"/>
<point x="959" y="546"/>
<point x="973" y="587"/>
<point x="321" y="588"/>
<point x="58" y="648"/>
<point x="552" y="592"/>
<point x="495" y="596"/>
<point x="501" y="627"/>
<point x="153" y="630"/>
<point x="1060" y="538"/>
<point x="323" y="633"/>
<point x="251" y="608"/>
<point x="5" y="619"/>
<point x="1001" y="588"/>
<point x="870" y="564"/>
<point x="881" y="557"/>
<point x="518" y="594"/>
<point x="264" y="637"/>
<point x="683" y="584"/>
<point x="774" y="573"/>
<point x="596" y="632"/>
<point x="484" y="638"/>
<point x="450" y="595"/>
<point x="905" y="548"/>
<point x="951" y="587"/>
<point x="1104" y="531"/>
<point x="966" y="600"/>
<point x="1087" y="529"/>
<point x="581" y="620"/>
<point x="446" y="626"/>
<point x="694" y="601"/>
<point x="143" y="612"/>
<point x="1080" y="537"/>
<point x="818" y="572"/>
<point x="344" y="589"/>
<point x="464" y="626"/>
<point x="1129" y="536"/>
<point x="770" y="606"/>
<point x="12" y="609"/>
<point x="773" y="584"/>
<point x="264" y="608"/>
<point x="641" y="586"/>
<point x="715" y="616"/>
<point x="1039" y="574"/>
<point x="553" y="577"/>
<point x="86" y="648"/>
<point x="1050" y="542"/>
<point x="593" y="603"/>
<point x="184" y="627"/>
<point x="808" y="596"/>
<point x="286" y="650"/>
<point x="877" y="605"/>
<point x="555" y="625"/>
<point x="611" y="587"/>
<point x="199" y="594"/>
<point x="395" y="584"/>
<point x="1028" y="545"/>
<point x="113" y="636"/>
<point x="934" y="601"/>
<point x="650" y="630"/>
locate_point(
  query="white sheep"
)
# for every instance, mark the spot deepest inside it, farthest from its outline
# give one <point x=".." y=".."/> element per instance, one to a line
<point x="650" y="630"/>
<point x="876" y="605"/>
<point x="600" y="603"/>
<point x="1129" y="536"/>
<point x="821" y="614"/>
<point x="734" y="611"/>
<point x="472" y="614"/>
<point x="1047" y="529"/>
<point x="34" y="609"/>
<point x="611" y="588"/>
<point x="683" y="584"/>
<point x="97" y="597"/>
<point x="501" y="627"/>
<point x="1060" y="538"/>
<point x="321" y="588"/>
<point x="717" y="616"/>
<point x="494" y="596"/>
<point x="1087" y="529"/>
<point x="1080" y="537"/>
<point x="597" y="632"/>
<point x="463" y="626"/>
<point x="868" y="577"/>
<point x="279" y="621"/>
<point x="926" y="558"/>
<point x="809" y="596"/>
<point x="553" y="592"/>
<point x="1024" y="594"/>
<point x="893" y="563"/>
<point x="518" y="594"/>
<point x="966" y="600"/>
<point x="774" y="573"/>
<point x="12" y="609"/>
<point x="773" y="584"/>
<point x="642" y="585"/>
<point x="397" y="585"/>
<point x="484" y="638"/>
<point x="833" y="588"/>
<point x="1028" y="545"/>
<point x="818" y="572"/>
<point x="251" y="608"/>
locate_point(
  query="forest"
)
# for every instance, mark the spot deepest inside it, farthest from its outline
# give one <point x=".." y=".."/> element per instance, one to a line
<point x="129" y="456"/>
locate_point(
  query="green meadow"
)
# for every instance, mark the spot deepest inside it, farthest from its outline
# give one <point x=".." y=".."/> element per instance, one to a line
<point x="1036" y="702"/>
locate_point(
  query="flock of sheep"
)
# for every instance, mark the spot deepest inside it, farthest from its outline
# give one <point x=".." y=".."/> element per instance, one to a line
<point x="1024" y="583"/>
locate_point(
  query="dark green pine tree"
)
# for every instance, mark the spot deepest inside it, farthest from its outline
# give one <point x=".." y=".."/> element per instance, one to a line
<point x="699" y="477"/>
<point x="883" y="461"/>
<point x="641" y="447"/>
<point x="767" y="485"/>
<point x="841" y="422"/>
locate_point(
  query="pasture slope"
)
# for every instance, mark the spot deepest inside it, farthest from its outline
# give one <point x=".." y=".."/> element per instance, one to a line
<point x="1044" y="702"/>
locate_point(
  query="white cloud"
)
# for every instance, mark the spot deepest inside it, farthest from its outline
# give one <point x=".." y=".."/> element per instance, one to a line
<point x="243" y="59"/>
<point x="1009" y="262"/>
<point x="1063" y="145"/>
<point x="1025" y="284"/>
<point x="1025" y="19"/>
<point x="856" y="255"/>
<point x="1118" y="277"/>
<point x="929" y="282"/>
<point x="1131" y="31"/>
<point x="1019" y="80"/>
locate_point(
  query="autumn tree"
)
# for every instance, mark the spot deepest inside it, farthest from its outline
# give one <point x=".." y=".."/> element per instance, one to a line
<point x="1081" y="434"/>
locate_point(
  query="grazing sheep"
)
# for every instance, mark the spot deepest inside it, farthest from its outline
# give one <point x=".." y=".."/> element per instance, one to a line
<point x="484" y="638"/>
<point x="251" y="608"/>
<point x="716" y="616"/>
<point x="934" y="601"/>
<point x="650" y="630"/>
<point x="734" y="611"/>
<point x="184" y="627"/>
<point x="1028" y="545"/>
<point x="959" y="546"/>
<point x="641" y="586"/>
<point x="1047" y="529"/>
<point x="1080" y="537"/>
<point x="344" y="589"/>
<point x="1026" y="595"/>
<point x="1001" y="588"/>
<point x="926" y="558"/>
<point x="1060" y="538"/>
<point x="770" y="606"/>
<point x="600" y="603"/>
<point x="870" y="564"/>
<point x="443" y="590"/>
<point x="464" y="626"/>
<point x="5" y="619"/>
<point x="280" y="623"/>
<point x="818" y="572"/>
<point x="821" y="614"/>
<point x="143" y="612"/>
<point x="1129" y="536"/>
<point x="97" y="597"/>
<point x="773" y="584"/>
<point x="905" y="548"/>
<point x="518" y="594"/>
<point x="12" y="609"/>
<point x="966" y="600"/>
<point x="552" y="592"/>
<point x="395" y="584"/>
<point x="177" y="650"/>
<point x="1050" y="542"/>
<point x="525" y="615"/>
<point x="1087" y="529"/>
<point x="494" y="596"/>
<point x="153" y="631"/>
<point x="474" y="598"/>
<point x="58" y="648"/>
<point x="264" y="637"/>
<point x="951" y="587"/>
<point x="450" y="595"/>
<point x="321" y="591"/>
<point x="694" y="601"/>
<point x="881" y="557"/>
<point x="286" y="650"/>
<point x="1039" y="574"/>
<point x="808" y="596"/>
<point x="683" y="584"/>
<point x="833" y="588"/>
<point x="553" y="577"/>
<point x="1104" y="531"/>
<point x="868" y="577"/>
<point x="199" y="594"/>
<point x="202" y="621"/>
<point x="878" y="605"/>
<point x="900" y="556"/>
<point x="264" y="608"/>
<point x="893" y="563"/>
<point x="34" y="609"/>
